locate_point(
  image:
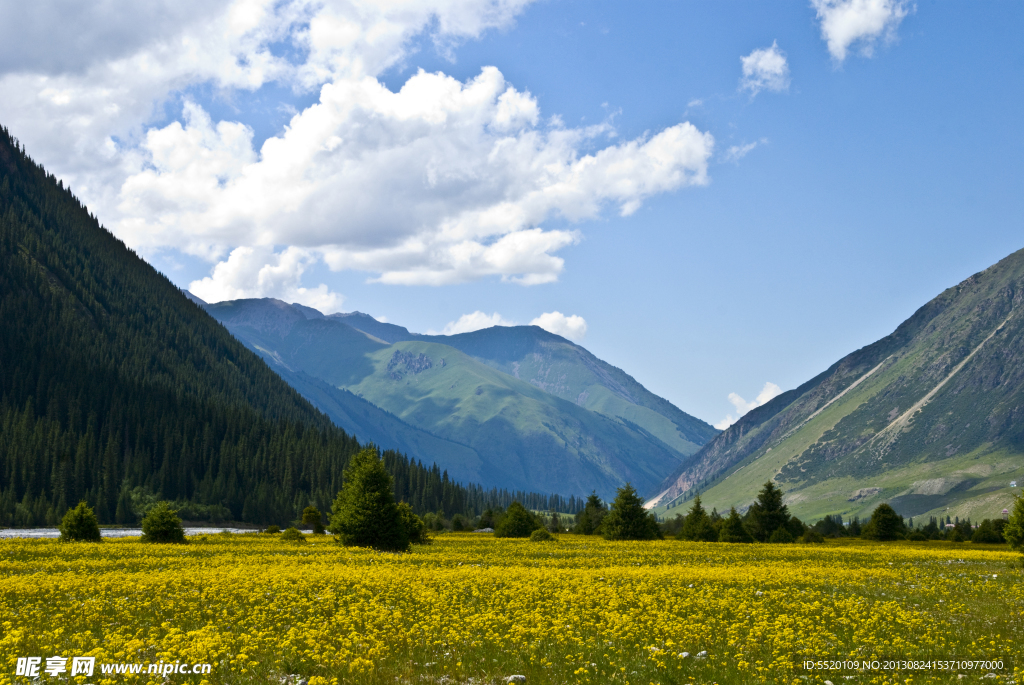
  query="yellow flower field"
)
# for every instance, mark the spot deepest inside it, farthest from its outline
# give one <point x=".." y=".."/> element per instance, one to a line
<point x="472" y="608"/>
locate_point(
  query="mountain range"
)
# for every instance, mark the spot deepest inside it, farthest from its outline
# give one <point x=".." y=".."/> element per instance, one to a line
<point x="516" y="406"/>
<point x="929" y="419"/>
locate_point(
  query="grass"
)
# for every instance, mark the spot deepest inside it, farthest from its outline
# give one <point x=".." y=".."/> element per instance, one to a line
<point x="474" y="609"/>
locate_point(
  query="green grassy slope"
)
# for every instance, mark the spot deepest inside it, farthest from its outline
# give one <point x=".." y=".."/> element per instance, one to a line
<point x="570" y="372"/>
<point x="473" y="419"/>
<point x="929" y="419"/>
<point x="527" y="436"/>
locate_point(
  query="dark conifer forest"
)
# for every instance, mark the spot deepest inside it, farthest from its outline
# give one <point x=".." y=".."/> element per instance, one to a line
<point x="113" y="383"/>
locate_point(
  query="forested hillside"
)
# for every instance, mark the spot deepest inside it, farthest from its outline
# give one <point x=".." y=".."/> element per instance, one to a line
<point x="113" y="382"/>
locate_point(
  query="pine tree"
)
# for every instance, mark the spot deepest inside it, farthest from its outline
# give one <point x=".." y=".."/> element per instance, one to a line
<point x="588" y="521"/>
<point x="768" y="513"/>
<point x="365" y="513"/>
<point x="697" y="526"/>
<point x="733" y="529"/>
<point x="885" y="524"/>
<point x="628" y="520"/>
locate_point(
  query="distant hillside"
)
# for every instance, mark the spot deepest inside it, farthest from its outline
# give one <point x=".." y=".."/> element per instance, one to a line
<point x="111" y="379"/>
<point x="929" y="419"/>
<point x="508" y="405"/>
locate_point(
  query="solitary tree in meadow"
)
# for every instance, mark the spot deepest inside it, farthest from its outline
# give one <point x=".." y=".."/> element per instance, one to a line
<point x="161" y="524"/>
<point x="628" y="520"/>
<point x="885" y="524"/>
<point x="768" y="513"/>
<point x="80" y="524"/>
<point x="365" y="513"/>
<point x="311" y="517"/>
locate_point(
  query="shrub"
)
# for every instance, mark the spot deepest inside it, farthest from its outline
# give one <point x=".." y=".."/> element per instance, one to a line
<point x="293" y="534"/>
<point x="311" y="517"/>
<point x="80" y="525"/>
<point x="273" y="530"/>
<point x="917" y="536"/>
<point x="517" y="522"/>
<point x="365" y="511"/>
<point x="541" y="535"/>
<point x="781" y="535"/>
<point x="628" y="520"/>
<point x="812" y="536"/>
<point x="415" y="529"/>
<point x="162" y="525"/>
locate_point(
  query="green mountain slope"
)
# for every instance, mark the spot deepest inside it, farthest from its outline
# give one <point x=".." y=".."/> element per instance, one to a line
<point x="486" y="424"/>
<point x="570" y="372"/>
<point x="565" y="370"/>
<point x="112" y="379"/>
<point x="929" y="419"/>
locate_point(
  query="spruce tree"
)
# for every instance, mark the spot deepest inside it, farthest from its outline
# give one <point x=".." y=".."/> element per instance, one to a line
<point x="365" y="513"/>
<point x="628" y="520"/>
<point x="588" y="521"/>
<point x="697" y="526"/>
<point x="768" y="513"/>
<point x="733" y="529"/>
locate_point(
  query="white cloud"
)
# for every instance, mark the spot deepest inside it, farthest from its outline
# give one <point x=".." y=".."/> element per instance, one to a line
<point x="737" y="152"/>
<point x="845" y="22"/>
<point x="473" y="322"/>
<point x="765" y="69"/>
<point x="572" y="327"/>
<point x="260" y="272"/>
<point x="440" y="182"/>
<point x="768" y="392"/>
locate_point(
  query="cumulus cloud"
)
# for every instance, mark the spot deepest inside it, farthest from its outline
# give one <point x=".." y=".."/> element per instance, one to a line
<point x="473" y="322"/>
<point x="572" y="327"/>
<point x="261" y="272"/>
<point x="443" y="181"/>
<point x="845" y="22"/>
<point x="768" y="392"/>
<point x="765" y="69"/>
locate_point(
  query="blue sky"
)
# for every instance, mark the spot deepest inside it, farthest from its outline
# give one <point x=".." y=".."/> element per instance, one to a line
<point x="882" y="162"/>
